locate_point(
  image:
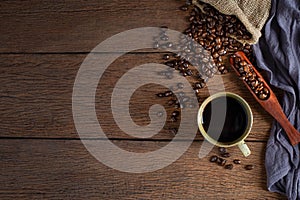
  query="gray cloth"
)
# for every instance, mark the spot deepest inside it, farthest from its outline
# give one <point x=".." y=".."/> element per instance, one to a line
<point x="278" y="52"/>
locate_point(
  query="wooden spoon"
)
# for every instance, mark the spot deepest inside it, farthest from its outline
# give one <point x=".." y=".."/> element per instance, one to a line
<point x="270" y="103"/>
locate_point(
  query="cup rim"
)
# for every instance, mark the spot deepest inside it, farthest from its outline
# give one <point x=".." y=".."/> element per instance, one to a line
<point x="248" y="113"/>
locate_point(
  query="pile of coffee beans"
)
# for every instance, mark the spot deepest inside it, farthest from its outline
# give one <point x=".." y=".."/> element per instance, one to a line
<point x="222" y="160"/>
<point x="215" y="32"/>
<point x="218" y="36"/>
<point x="248" y="75"/>
<point x="178" y="100"/>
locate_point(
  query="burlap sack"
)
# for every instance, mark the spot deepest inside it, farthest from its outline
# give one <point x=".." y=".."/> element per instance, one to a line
<point x="252" y="13"/>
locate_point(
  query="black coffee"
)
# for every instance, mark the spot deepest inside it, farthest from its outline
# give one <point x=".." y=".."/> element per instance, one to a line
<point x="235" y="119"/>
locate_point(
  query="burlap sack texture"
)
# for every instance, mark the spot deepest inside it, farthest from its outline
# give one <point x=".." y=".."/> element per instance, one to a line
<point x="252" y="13"/>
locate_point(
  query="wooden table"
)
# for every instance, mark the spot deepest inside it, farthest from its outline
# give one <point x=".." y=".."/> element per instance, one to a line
<point x="42" y="46"/>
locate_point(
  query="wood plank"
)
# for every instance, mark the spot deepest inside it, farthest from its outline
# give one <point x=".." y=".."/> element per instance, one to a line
<point x="63" y="169"/>
<point x="36" y="97"/>
<point x="78" y="26"/>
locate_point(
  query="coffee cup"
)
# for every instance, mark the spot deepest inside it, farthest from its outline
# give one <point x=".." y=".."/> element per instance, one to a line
<point x="225" y="119"/>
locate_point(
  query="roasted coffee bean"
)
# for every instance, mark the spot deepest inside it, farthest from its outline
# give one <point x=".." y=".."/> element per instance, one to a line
<point x="243" y="63"/>
<point x="222" y="52"/>
<point x="156" y="45"/>
<point x="166" y="57"/>
<point x="221" y="161"/>
<point x="225" y="155"/>
<point x="198" y="85"/>
<point x="184" y="8"/>
<point x="160" y="95"/>
<point x="164" y="37"/>
<point x="175" y="113"/>
<point x="215" y="55"/>
<point x="169" y="44"/>
<point x="170" y="64"/>
<point x="173" y="119"/>
<point x="237" y="161"/>
<point x="229" y="166"/>
<point x="213" y="159"/>
<point x="210" y="29"/>
<point x="222" y="149"/>
<point x="168" y="93"/>
<point x="189" y="72"/>
<point x="263" y="96"/>
<point x="249" y="167"/>
<point x="266" y="91"/>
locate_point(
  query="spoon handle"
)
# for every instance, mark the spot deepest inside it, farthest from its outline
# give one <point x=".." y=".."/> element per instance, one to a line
<point x="263" y="93"/>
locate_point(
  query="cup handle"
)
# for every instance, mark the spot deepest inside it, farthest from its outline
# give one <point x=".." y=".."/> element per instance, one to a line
<point x="244" y="148"/>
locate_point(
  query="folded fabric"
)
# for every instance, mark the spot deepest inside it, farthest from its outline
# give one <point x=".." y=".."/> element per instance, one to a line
<point x="278" y="52"/>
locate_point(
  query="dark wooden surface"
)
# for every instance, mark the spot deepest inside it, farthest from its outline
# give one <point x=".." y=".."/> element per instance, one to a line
<point x="42" y="46"/>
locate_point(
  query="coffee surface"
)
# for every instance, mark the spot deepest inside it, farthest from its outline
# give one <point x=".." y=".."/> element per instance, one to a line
<point x="232" y="118"/>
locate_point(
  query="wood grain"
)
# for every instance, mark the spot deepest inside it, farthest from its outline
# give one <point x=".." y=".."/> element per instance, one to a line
<point x="42" y="46"/>
<point x="63" y="169"/>
<point x="36" y="94"/>
<point x="78" y="26"/>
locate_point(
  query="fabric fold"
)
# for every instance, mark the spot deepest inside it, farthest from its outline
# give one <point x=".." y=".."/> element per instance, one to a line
<point x="278" y="52"/>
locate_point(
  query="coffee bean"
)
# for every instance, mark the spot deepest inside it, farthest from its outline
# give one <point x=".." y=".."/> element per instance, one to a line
<point x="221" y="161"/>
<point x="215" y="55"/>
<point x="249" y="167"/>
<point x="237" y="161"/>
<point x="175" y="113"/>
<point x="222" y="150"/>
<point x="229" y="166"/>
<point x="173" y="119"/>
<point x="169" y="44"/>
<point x="156" y="45"/>
<point x="263" y="96"/>
<point x="170" y="64"/>
<point x="160" y="94"/>
<point x="243" y="63"/>
<point x="166" y="57"/>
<point x="225" y="155"/>
<point x="210" y="29"/>
<point x="198" y="85"/>
<point x="184" y="8"/>
<point x="168" y="93"/>
<point x="266" y="91"/>
<point x="164" y="37"/>
<point x="213" y="159"/>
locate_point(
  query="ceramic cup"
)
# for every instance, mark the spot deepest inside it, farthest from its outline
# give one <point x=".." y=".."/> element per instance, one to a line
<point x="219" y="113"/>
